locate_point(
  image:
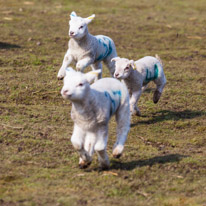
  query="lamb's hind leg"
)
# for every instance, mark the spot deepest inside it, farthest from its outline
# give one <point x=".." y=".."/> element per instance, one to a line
<point x="111" y="64"/>
<point x="123" y="126"/>
<point x="133" y="102"/>
<point x="144" y="87"/>
<point x="160" y="83"/>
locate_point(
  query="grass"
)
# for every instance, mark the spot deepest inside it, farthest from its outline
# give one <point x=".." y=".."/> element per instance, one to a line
<point x="164" y="162"/>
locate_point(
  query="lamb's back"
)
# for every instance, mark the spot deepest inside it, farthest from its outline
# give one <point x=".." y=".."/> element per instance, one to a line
<point x="113" y="87"/>
<point x="146" y="62"/>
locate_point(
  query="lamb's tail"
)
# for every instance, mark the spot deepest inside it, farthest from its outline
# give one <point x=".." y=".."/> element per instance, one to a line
<point x="158" y="58"/>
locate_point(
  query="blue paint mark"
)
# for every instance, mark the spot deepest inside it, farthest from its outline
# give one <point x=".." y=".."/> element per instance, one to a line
<point x="112" y="109"/>
<point x="108" y="48"/>
<point x="149" y="76"/>
<point x="72" y="14"/>
<point x="114" y="104"/>
<point x="117" y="92"/>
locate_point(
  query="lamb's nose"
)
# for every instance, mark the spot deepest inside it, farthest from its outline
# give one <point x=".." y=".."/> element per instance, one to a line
<point x="116" y="75"/>
<point x="65" y="92"/>
<point x="71" y="33"/>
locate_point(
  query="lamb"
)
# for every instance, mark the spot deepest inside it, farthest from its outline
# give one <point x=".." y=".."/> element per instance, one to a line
<point x="92" y="107"/>
<point x="85" y="49"/>
<point x="137" y="74"/>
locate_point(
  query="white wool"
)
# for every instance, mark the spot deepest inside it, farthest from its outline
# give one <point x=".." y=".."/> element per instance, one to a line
<point x="137" y="74"/>
<point x="92" y="107"/>
<point x="85" y="49"/>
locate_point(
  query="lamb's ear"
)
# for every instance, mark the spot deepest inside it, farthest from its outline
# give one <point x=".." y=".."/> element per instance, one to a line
<point x="73" y="14"/>
<point x="69" y="70"/>
<point x="132" y="64"/>
<point x="89" y="19"/>
<point x="93" y="75"/>
<point x="115" y="59"/>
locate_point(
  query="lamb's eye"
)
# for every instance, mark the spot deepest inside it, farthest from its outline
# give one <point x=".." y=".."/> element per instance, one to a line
<point x="81" y="27"/>
<point x="80" y="85"/>
<point x="127" y="68"/>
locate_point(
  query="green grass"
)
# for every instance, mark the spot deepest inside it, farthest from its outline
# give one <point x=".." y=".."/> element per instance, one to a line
<point x="164" y="162"/>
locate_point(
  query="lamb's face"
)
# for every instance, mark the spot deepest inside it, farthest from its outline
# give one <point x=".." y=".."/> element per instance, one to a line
<point x="123" y="68"/>
<point x="75" y="86"/>
<point x="78" y="25"/>
<point x="77" y="28"/>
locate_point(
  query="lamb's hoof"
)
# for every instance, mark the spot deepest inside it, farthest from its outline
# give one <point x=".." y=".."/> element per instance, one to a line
<point x="117" y="151"/>
<point x="136" y="112"/>
<point x="156" y="96"/>
<point x="78" y="69"/>
<point x="84" y="165"/>
<point x="60" y="78"/>
<point x="117" y="156"/>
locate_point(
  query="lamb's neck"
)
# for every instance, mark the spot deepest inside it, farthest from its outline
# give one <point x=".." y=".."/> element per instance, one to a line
<point x="83" y="41"/>
<point x="131" y="76"/>
<point x="86" y="104"/>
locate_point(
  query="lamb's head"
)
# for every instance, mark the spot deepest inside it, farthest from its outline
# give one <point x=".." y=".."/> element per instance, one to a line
<point x="123" y="67"/>
<point x="78" y="25"/>
<point x="77" y="85"/>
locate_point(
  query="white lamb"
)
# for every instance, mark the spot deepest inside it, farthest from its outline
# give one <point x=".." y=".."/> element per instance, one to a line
<point x="137" y="74"/>
<point x="86" y="49"/>
<point x="92" y="107"/>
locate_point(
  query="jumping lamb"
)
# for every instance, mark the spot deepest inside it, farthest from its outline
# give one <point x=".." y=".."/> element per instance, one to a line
<point x="137" y="74"/>
<point x="85" y="49"/>
<point x="92" y="107"/>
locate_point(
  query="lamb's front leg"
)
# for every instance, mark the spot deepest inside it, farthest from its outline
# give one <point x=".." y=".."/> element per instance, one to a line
<point x="89" y="143"/>
<point x="84" y="63"/>
<point x="78" y="139"/>
<point x="133" y="102"/>
<point x="66" y="62"/>
<point x="97" y="66"/>
<point x="101" y="146"/>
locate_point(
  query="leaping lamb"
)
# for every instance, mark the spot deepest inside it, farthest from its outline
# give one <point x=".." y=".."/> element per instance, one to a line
<point x="85" y="49"/>
<point x="137" y="74"/>
<point x="92" y="107"/>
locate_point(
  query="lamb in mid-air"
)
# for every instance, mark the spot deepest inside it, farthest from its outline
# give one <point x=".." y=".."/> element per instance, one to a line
<point x="137" y="74"/>
<point x="85" y="49"/>
<point x="92" y="107"/>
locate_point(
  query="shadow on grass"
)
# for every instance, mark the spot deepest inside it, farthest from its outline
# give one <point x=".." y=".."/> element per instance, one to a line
<point x="4" y="45"/>
<point x="146" y="162"/>
<point x="171" y="115"/>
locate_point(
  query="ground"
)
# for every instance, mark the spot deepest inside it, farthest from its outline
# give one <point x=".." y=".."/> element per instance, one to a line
<point x="164" y="161"/>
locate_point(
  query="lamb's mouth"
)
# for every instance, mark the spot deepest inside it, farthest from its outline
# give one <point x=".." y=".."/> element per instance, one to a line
<point x="67" y="96"/>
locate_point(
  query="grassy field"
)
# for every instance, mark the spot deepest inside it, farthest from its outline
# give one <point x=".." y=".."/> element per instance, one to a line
<point x="164" y="163"/>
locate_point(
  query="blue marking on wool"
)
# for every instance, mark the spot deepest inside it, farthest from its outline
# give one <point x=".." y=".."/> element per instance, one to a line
<point x="114" y="101"/>
<point x="149" y="76"/>
<point x="108" y="48"/>
<point x="117" y="92"/>
<point x="72" y="14"/>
